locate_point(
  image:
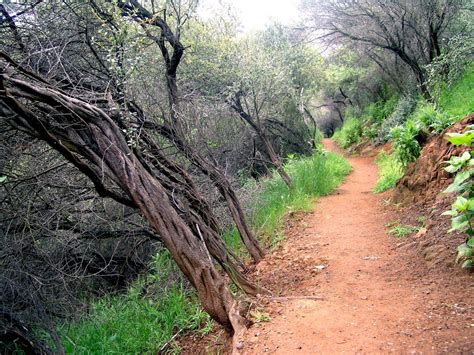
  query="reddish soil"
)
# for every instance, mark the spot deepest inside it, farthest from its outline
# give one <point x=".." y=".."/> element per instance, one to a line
<point x="425" y="178"/>
<point x="342" y="285"/>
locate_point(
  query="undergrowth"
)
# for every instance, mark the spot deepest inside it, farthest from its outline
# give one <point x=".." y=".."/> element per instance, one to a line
<point x="390" y="171"/>
<point x="458" y="100"/>
<point x="349" y="133"/>
<point x="141" y="321"/>
<point x="401" y="230"/>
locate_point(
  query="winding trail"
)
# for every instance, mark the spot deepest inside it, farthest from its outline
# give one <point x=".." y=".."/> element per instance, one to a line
<point x="342" y="284"/>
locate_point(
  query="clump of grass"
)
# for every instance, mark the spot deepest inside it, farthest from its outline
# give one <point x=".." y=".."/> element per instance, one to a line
<point x="390" y="171"/>
<point x="313" y="176"/>
<point x="140" y="321"/>
<point x="401" y="230"/>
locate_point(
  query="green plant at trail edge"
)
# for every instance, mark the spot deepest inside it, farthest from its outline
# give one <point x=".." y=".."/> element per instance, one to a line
<point x="401" y="230"/>
<point x="349" y="133"/>
<point x="462" y="209"/>
<point x="259" y="316"/>
<point x="156" y="308"/>
<point x="405" y="145"/>
<point x="390" y="171"/>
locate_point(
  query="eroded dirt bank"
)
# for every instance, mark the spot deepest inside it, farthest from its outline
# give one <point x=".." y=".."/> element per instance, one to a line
<point x="342" y="285"/>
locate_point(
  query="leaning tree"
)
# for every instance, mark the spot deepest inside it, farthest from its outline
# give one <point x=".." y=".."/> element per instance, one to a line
<point x="65" y="95"/>
<point x="90" y="139"/>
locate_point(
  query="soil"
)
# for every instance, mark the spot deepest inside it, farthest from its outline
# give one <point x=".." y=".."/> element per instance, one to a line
<point x="341" y="284"/>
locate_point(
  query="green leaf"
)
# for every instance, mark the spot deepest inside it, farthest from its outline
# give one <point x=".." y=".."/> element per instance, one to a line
<point x="463" y="252"/>
<point x="461" y="204"/>
<point x="471" y="204"/>
<point x="458" y="181"/>
<point x="470" y="242"/>
<point x="451" y="213"/>
<point x="465" y="138"/>
<point x="3" y="179"/>
<point x="456" y="163"/>
<point x="459" y="223"/>
<point x="468" y="264"/>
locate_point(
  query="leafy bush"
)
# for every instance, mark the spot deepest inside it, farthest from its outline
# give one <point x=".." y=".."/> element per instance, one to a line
<point x="404" y="107"/>
<point x="350" y="133"/>
<point x="141" y="321"/>
<point x="390" y="171"/>
<point x="430" y="117"/>
<point x="406" y="147"/>
<point x="370" y="132"/>
<point x="462" y="210"/>
<point x="379" y="111"/>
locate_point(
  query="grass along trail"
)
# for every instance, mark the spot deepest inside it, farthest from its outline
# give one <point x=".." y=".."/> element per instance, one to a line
<point x="341" y="285"/>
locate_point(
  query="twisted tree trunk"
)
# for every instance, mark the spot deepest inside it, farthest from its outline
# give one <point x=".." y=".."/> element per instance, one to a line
<point x="89" y="139"/>
<point x="172" y="130"/>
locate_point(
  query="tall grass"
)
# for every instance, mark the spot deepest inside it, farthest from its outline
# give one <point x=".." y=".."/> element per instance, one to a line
<point x="141" y="321"/>
<point x="390" y="171"/>
<point x="313" y="176"/>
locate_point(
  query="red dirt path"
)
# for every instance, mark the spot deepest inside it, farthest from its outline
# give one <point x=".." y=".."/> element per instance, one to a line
<point x="371" y="297"/>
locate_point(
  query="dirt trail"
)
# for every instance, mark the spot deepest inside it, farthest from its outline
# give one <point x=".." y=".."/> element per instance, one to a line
<point x="371" y="302"/>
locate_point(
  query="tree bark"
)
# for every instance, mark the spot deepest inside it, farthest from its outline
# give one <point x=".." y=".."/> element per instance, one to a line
<point x="236" y="105"/>
<point x="276" y="161"/>
<point x="225" y="189"/>
<point x="172" y="130"/>
<point x="84" y="134"/>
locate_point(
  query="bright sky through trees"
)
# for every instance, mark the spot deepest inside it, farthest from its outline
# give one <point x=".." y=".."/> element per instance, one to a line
<point x="256" y="14"/>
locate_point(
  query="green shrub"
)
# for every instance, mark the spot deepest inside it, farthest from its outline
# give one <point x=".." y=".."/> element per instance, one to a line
<point x="378" y="112"/>
<point x="390" y="171"/>
<point x="400" y="114"/>
<point x="370" y="132"/>
<point x="431" y="118"/>
<point x="349" y="133"/>
<point x="406" y="147"/>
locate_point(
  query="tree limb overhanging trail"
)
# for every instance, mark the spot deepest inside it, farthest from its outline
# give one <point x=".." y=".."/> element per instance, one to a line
<point x="89" y="138"/>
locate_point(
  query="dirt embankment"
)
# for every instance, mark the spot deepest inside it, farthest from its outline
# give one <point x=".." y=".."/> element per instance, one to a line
<point x="419" y="196"/>
<point x="426" y="178"/>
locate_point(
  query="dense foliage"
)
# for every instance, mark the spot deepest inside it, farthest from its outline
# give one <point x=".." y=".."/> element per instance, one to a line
<point x="462" y="209"/>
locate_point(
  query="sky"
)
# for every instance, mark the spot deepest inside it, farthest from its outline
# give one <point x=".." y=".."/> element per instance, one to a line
<point x="256" y="14"/>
